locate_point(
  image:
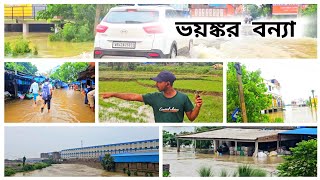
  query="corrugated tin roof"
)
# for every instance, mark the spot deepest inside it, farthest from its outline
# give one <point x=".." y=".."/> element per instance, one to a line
<point x="302" y="131"/>
<point x="235" y="134"/>
<point x="148" y="157"/>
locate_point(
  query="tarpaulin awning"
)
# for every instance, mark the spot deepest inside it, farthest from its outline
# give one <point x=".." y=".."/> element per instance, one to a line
<point x="302" y="131"/>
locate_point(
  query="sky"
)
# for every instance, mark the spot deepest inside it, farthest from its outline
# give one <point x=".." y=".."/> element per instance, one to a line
<point x="296" y="77"/>
<point x="178" y="129"/>
<point x="31" y="141"/>
<point x="45" y="66"/>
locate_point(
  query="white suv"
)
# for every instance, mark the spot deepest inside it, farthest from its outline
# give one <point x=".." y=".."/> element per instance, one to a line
<point x="140" y="31"/>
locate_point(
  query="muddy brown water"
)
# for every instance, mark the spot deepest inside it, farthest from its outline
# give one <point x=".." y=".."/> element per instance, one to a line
<point x="296" y="115"/>
<point x="186" y="163"/>
<point x="67" y="106"/>
<point x="63" y="170"/>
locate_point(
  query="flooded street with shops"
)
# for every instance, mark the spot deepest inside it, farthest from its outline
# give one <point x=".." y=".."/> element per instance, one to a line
<point x="186" y="163"/>
<point x="296" y="115"/>
<point x="58" y="170"/>
<point x="67" y="106"/>
<point x="53" y="49"/>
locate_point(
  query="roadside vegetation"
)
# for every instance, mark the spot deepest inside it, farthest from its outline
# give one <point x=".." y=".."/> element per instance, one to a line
<point x="11" y="170"/>
<point x="135" y="78"/>
<point x="255" y="95"/>
<point x="242" y="171"/>
<point x="76" y="22"/>
<point x="19" y="47"/>
<point x="302" y="162"/>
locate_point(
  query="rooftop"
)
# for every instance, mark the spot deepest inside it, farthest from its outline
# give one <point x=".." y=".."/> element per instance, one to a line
<point x="235" y="134"/>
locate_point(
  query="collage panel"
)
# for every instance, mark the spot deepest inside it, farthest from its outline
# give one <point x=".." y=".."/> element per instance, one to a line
<point x="234" y="64"/>
<point x="197" y="31"/>
<point x="49" y="92"/>
<point x="68" y="152"/>
<point x="168" y="92"/>
<point x="255" y="151"/>
<point x="272" y="92"/>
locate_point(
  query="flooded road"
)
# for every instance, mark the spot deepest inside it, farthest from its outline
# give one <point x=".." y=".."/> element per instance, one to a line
<point x="58" y="170"/>
<point x="52" y="49"/>
<point x="296" y="115"/>
<point x="256" y="47"/>
<point x="187" y="164"/>
<point x="67" y="106"/>
<point x="242" y="47"/>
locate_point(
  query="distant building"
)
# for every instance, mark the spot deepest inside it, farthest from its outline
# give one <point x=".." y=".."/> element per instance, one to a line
<point x="94" y="152"/>
<point x="274" y="89"/>
<point x="51" y="155"/>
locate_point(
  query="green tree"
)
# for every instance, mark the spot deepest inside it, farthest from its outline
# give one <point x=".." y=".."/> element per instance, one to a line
<point x="253" y="10"/>
<point x="80" y="20"/>
<point x="69" y="71"/>
<point x="302" y="162"/>
<point x="311" y="13"/>
<point x="108" y="163"/>
<point x="255" y="95"/>
<point x="24" y="67"/>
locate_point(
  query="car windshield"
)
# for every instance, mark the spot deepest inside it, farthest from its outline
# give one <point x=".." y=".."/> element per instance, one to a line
<point x="132" y="17"/>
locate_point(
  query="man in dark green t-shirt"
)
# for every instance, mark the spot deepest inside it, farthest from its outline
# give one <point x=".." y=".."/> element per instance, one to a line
<point x="168" y="105"/>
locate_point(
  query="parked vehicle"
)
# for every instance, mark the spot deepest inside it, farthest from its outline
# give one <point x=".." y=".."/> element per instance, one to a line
<point x="140" y="31"/>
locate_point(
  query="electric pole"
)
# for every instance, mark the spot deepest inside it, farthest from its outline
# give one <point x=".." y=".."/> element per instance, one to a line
<point x="241" y="96"/>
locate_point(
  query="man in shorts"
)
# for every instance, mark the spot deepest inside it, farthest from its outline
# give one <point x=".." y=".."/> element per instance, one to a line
<point x="34" y="89"/>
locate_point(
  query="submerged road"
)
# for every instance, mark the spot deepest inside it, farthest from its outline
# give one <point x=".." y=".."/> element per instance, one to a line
<point x="67" y="106"/>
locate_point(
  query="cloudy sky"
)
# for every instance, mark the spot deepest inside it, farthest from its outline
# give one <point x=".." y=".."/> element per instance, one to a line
<point x="31" y="141"/>
<point x="45" y="66"/>
<point x="296" y="77"/>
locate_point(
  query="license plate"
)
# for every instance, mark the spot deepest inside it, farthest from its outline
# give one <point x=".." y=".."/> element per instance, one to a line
<point x="127" y="45"/>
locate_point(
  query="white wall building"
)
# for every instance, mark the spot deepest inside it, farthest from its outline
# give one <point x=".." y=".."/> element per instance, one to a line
<point x="97" y="151"/>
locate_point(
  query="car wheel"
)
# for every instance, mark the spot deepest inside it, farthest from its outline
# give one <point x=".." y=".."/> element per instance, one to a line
<point x="173" y="52"/>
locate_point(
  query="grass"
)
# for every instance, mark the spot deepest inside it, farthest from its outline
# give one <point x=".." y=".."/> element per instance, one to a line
<point x="205" y="172"/>
<point x="211" y="110"/>
<point x="203" y="85"/>
<point x="189" y="79"/>
<point x="248" y="171"/>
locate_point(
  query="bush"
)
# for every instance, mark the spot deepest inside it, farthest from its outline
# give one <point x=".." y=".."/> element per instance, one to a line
<point x="128" y="172"/>
<point x="7" y="48"/>
<point x="40" y="165"/>
<point x="21" y="47"/>
<point x="247" y="171"/>
<point x="9" y="172"/>
<point x="205" y="172"/>
<point x="166" y="174"/>
<point x="223" y="173"/>
<point x="73" y="33"/>
<point x="28" y="167"/>
<point x="35" y="50"/>
<point x="302" y="162"/>
<point x="135" y="173"/>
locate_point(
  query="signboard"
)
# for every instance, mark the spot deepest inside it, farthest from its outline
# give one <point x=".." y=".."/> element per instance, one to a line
<point x="285" y="9"/>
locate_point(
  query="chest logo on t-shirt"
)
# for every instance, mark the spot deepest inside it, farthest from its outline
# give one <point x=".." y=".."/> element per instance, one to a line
<point x="168" y="109"/>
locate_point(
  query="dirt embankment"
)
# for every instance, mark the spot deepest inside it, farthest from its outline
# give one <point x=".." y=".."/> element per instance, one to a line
<point x="88" y="162"/>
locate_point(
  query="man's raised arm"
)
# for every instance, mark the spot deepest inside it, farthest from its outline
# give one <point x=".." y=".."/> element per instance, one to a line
<point x="124" y="96"/>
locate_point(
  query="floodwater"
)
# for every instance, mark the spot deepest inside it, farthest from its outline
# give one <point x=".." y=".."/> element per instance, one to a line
<point x="49" y="49"/>
<point x="186" y="163"/>
<point x="242" y="47"/>
<point x="296" y="115"/>
<point x="59" y="170"/>
<point x="67" y="106"/>
<point x="256" y="47"/>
